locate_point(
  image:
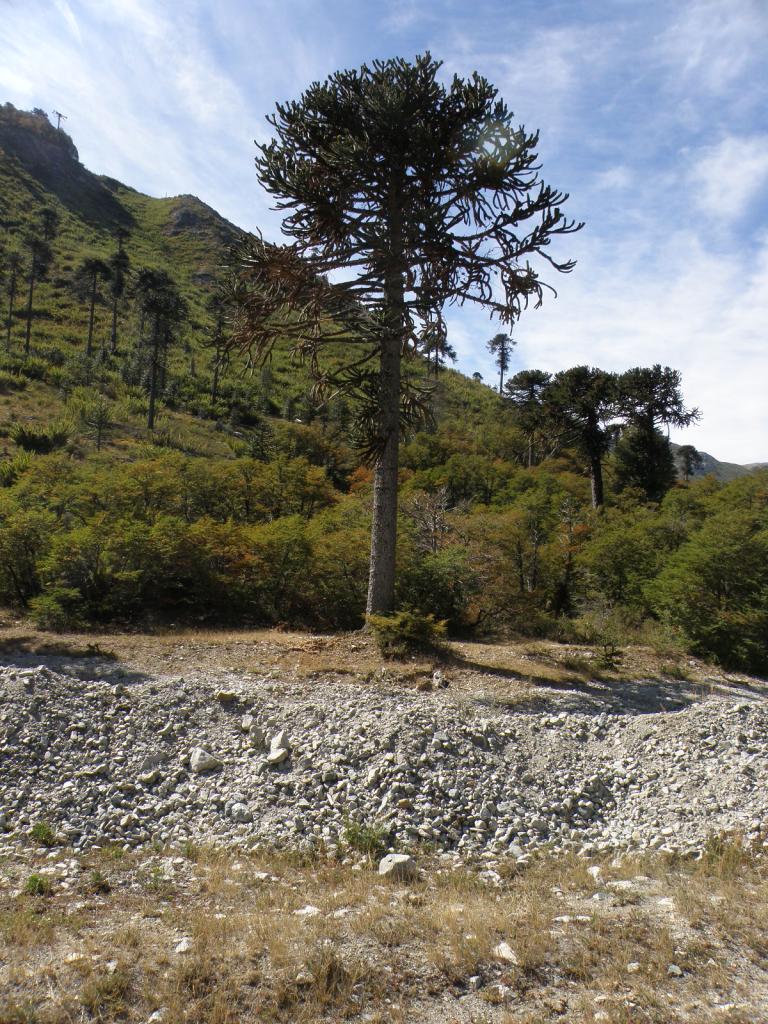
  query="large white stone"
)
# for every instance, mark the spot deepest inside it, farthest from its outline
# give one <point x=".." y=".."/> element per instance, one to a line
<point x="398" y="866"/>
<point x="201" y="760"/>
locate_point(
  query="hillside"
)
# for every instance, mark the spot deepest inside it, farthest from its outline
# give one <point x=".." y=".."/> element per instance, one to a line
<point x="39" y="169"/>
<point x="724" y="471"/>
<point x="145" y="478"/>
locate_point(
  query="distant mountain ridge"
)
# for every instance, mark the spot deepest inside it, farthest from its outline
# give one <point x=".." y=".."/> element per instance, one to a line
<point x="724" y="471"/>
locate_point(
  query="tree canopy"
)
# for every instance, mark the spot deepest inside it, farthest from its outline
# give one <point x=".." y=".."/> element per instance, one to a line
<point x="401" y="195"/>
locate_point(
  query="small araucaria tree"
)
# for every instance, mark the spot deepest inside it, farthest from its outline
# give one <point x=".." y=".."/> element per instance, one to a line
<point x="402" y="194"/>
<point x="500" y="346"/>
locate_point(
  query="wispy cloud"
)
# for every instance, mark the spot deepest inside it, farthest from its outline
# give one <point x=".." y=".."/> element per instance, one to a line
<point x="710" y="44"/>
<point x="68" y="15"/>
<point x="728" y="176"/>
<point x="653" y="117"/>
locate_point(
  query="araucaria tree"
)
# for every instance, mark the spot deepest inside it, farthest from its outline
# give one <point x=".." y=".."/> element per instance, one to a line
<point x="650" y="397"/>
<point x="119" y="264"/>
<point x="162" y="308"/>
<point x="583" y="402"/>
<point x="13" y="264"/>
<point x="500" y="346"/>
<point x="40" y="259"/>
<point x="87" y="277"/>
<point x="402" y="194"/>
<point x="526" y="392"/>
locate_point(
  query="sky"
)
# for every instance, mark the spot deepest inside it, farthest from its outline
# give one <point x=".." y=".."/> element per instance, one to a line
<point x="653" y="116"/>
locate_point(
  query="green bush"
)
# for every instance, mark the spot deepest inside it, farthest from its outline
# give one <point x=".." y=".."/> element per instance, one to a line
<point x="38" y="885"/>
<point x="11" y="382"/>
<point x="42" y="441"/>
<point x="43" y="833"/>
<point x="715" y="590"/>
<point x="406" y="632"/>
<point x="441" y="581"/>
<point x="33" y="368"/>
<point x="11" y="469"/>
<point x="370" y="840"/>
<point x="58" y="609"/>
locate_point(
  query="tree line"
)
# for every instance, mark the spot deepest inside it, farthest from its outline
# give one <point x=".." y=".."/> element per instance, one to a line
<point x="156" y="298"/>
<point x="400" y="200"/>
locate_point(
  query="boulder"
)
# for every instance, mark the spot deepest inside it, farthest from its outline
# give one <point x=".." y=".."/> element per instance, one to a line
<point x="398" y="866"/>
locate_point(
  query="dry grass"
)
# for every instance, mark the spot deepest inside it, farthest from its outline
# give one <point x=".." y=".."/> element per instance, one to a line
<point x="393" y="952"/>
<point x="502" y="675"/>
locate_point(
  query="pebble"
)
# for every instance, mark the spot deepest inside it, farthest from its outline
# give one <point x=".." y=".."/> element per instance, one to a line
<point x="201" y="760"/>
<point x="505" y="952"/>
<point x="106" y="764"/>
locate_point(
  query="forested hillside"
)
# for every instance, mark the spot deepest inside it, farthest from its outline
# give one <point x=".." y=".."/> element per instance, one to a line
<point x="145" y="477"/>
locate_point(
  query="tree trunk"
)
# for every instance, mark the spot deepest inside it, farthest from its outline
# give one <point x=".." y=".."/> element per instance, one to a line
<point x="381" y="579"/>
<point x="114" y="331"/>
<point x="596" y="479"/>
<point x="89" y="343"/>
<point x="28" y="334"/>
<point x="11" y="298"/>
<point x="153" y="374"/>
<point x="215" y="382"/>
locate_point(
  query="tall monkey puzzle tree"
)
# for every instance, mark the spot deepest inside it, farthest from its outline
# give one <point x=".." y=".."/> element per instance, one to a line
<point x="650" y="397"/>
<point x="86" y="280"/>
<point x="119" y="264"/>
<point x="526" y="392"/>
<point x="163" y="308"/>
<point x="500" y="346"/>
<point x="402" y="194"/>
<point x="13" y="264"/>
<point x="583" y="401"/>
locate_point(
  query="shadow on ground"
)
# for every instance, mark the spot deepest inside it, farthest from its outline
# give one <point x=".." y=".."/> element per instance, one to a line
<point x="603" y="694"/>
<point x="88" y="661"/>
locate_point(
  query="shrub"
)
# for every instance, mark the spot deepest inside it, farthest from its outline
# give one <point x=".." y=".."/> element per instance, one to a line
<point x="440" y="581"/>
<point x="11" y="382"/>
<point x="38" y="885"/>
<point x="58" y="609"/>
<point x="406" y="632"/>
<point x="34" y="368"/>
<point x="43" y="833"/>
<point x="42" y="441"/>
<point x="714" y="590"/>
<point x="371" y="840"/>
<point x="12" y="469"/>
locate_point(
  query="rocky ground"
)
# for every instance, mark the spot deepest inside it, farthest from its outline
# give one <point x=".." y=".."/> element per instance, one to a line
<point x="191" y="826"/>
<point x="101" y="752"/>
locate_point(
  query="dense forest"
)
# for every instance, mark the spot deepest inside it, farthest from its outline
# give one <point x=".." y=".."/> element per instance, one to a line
<point x="147" y="477"/>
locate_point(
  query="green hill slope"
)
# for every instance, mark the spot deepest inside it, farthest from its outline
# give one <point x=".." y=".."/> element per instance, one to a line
<point x="246" y="504"/>
<point x="39" y="169"/>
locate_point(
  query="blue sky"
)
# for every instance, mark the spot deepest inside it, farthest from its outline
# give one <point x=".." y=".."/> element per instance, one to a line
<point x="653" y="116"/>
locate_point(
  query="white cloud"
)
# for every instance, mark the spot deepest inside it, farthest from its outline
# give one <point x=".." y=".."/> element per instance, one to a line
<point x="726" y="177"/>
<point x="712" y="43"/>
<point x="650" y="117"/>
<point x="686" y="307"/>
<point x="616" y="178"/>
<point x="67" y="14"/>
<point x="543" y="75"/>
